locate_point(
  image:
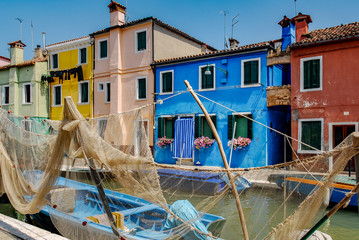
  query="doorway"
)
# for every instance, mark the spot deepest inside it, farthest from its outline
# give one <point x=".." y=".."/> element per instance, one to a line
<point x="340" y="132"/>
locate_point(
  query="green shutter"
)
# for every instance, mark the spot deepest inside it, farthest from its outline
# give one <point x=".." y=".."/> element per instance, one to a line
<point x="141" y="88"/>
<point x="306" y="80"/>
<point x="57" y="95"/>
<point x="315" y="76"/>
<point x="306" y="135"/>
<point x="242" y="127"/>
<point x="230" y="126"/>
<point x="141" y="41"/>
<point x="311" y="134"/>
<point x="197" y="126"/>
<point x="160" y="127"/>
<point x="167" y="82"/>
<point x="55" y="61"/>
<point x="207" y="80"/>
<point x="173" y="126"/>
<point x="103" y="49"/>
<point x="168" y="128"/>
<point x="207" y="132"/>
<point x="83" y="55"/>
<point x="254" y="72"/>
<point x="84" y="92"/>
<point x="247" y="73"/>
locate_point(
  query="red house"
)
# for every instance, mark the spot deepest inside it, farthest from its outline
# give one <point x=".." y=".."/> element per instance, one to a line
<point x="325" y="85"/>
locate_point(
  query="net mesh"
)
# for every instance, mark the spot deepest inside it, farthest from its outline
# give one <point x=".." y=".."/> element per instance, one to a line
<point x="53" y="168"/>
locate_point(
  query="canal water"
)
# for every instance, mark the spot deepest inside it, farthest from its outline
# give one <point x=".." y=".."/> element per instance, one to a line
<point x="258" y="211"/>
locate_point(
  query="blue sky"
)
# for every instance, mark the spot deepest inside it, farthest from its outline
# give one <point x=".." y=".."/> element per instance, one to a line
<point x="66" y="19"/>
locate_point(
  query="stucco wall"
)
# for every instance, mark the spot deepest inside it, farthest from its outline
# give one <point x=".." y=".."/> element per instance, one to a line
<point x="338" y="101"/>
<point x="168" y="44"/>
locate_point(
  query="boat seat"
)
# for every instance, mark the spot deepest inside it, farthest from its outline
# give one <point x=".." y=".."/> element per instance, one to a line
<point x="64" y="199"/>
<point x="141" y="209"/>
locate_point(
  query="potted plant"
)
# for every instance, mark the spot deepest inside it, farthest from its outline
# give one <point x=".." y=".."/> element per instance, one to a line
<point x="163" y="142"/>
<point x="203" y="142"/>
<point x="239" y="143"/>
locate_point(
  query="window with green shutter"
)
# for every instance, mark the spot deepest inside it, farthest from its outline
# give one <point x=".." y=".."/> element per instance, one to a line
<point x="207" y="80"/>
<point x="311" y="134"/>
<point x="83" y="55"/>
<point x="84" y="92"/>
<point x="55" y="61"/>
<point x="141" y="41"/>
<point x="167" y="82"/>
<point x="202" y="127"/>
<point x="250" y="72"/>
<point x="244" y="126"/>
<point x="103" y="49"/>
<point x="57" y="95"/>
<point x="311" y="74"/>
<point x="166" y="127"/>
<point x="141" y="88"/>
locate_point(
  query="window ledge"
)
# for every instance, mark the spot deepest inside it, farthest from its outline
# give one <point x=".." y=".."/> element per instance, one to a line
<point x="26" y="103"/>
<point x="311" y="90"/>
<point x="107" y="102"/>
<point x="309" y="152"/>
<point x="56" y="105"/>
<point x="206" y="89"/>
<point x="141" y="51"/>
<point x="251" y="85"/>
<point x="142" y="99"/>
<point x="166" y="93"/>
<point x="83" y="103"/>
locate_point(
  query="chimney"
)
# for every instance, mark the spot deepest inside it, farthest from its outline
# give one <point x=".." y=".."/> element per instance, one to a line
<point x="233" y="43"/>
<point x="16" y="52"/>
<point x="117" y="13"/>
<point x="38" y="52"/>
<point x="301" y="26"/>
<point x="288" y="32"/>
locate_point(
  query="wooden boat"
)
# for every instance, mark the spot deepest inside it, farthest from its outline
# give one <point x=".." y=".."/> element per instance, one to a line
<point x="339" y="188"/>
<point x="141" y="219"/>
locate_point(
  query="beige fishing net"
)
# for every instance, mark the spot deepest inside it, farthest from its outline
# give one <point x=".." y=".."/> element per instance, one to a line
<point x="96" y="179"/>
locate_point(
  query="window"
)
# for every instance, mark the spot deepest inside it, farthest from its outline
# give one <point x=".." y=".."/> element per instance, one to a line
<point x="141" y="88"/>
<point x="55" y="61"/>
<point x="166" y="82"/>
<point x="244" y="126"/>
<point x="84" y="92"/>
<point x="102" y="49"/>
<point x="57" y="95"/>
<point x="311" y="133"/>
<point x="100" y="87"/>
<point x="207" y="81"/>
<point x="108" y="92"/>
<point x="166" y="127"/>
<point x="251" y="74"/>
<point x="202" y="127"/>
<point x="26" y="125"/>
<point x="141" y="37"/>
<point x="311" y="74"/>
<point x="101" y="127"/>
<point x="26" y="93"/>
<point x="6" y="95"/>
<point x="83" y="55"/>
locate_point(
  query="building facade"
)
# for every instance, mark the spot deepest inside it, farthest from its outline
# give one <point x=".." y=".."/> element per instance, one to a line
<point x="325" y="98"/>
<point x="70" y="74"/>
<point x="22" y="91"/>
<point x="123" y="77"/>
<point x="238" y="79"/>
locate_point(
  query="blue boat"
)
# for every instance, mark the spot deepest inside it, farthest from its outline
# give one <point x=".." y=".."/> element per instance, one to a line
<point x="140" y="218"/>
<point x="200" y="182"/>
<point x="307" y="183"/>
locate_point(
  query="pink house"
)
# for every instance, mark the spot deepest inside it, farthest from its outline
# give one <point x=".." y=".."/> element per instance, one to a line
<point x="123" y="77"/>
<point x="4" y="61"/>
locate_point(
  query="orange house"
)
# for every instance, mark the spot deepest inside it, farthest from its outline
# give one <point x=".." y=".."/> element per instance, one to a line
<point x="325" y="89"/>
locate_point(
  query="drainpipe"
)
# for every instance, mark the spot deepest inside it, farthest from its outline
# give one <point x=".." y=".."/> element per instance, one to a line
<point x="154" y="90"/>
<point x="92" y="43"/>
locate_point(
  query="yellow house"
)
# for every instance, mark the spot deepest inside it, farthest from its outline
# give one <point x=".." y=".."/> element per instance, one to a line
<point x="70" y="74"/>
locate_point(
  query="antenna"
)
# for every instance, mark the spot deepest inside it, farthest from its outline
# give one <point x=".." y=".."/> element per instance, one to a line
<point x="126" y="14"/>
<point x="295" y="7"/>
<point x="43" y="40"/>
<point x="234" y="22"/>
<point x="20" y="20"/>
<point x="225" y="38"/>
<point x="32" y="39"/>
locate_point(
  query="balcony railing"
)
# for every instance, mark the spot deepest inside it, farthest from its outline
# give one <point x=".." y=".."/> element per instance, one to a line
<point x="278" y="96"/>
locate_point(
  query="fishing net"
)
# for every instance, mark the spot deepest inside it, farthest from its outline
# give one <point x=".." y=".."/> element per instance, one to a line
<point x="96" y="179"/>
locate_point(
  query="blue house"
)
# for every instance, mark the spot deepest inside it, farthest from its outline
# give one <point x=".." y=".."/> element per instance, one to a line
<point x="252" y="80"/>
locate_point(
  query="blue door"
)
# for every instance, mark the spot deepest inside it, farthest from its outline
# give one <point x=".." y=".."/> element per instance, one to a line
<point x="184" y="138"/>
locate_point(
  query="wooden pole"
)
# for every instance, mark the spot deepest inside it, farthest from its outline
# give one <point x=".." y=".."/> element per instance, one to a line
<point x="224" y="158"/>
<point x="233" y="135"/>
